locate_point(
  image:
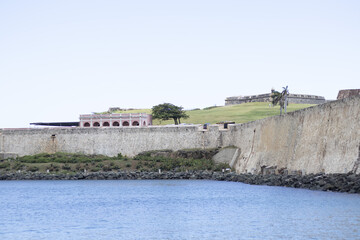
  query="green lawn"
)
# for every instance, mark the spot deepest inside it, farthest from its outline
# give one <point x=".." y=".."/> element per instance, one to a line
<point x="238" y="113"/>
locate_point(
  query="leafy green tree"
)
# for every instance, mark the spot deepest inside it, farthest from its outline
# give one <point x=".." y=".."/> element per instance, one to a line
<point x="280" y="98"/>
<point x="168" y="111"/>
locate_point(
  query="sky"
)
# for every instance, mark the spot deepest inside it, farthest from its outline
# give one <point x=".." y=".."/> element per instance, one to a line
<point x="63" y="58"/>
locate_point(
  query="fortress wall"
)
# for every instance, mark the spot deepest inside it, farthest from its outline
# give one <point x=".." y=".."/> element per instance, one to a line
<point x="298" y="100"/>
<point x="292" y="98"/>
<point x="324" y="138"/>
<point x="108" y="141"/>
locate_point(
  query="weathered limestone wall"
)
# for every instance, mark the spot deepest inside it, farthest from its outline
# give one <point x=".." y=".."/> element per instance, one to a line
<point x="321" y="139"/>
<point x="108" y="141"/>
<point x="348" y="93"/>
<point x="324" y="138"/>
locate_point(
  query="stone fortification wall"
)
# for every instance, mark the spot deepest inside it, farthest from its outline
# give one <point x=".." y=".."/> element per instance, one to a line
<point x="348" y="93"/>
<point x="108" y="141"/>
<point x="292" y="98"/>
<point x="321" y="139"/>
<point x="306" y="99"/>
<point x="246" y="99"/>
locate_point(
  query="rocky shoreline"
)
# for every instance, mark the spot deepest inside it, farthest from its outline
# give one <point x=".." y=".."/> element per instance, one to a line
<point x="323" y="182"/>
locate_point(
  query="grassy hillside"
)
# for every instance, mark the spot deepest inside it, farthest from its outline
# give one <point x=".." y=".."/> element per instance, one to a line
<point x="238" y="113"/>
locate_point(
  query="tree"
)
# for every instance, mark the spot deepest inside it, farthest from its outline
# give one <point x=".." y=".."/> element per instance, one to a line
<point x="280" y="98"/>
<point x="168" y="111"/>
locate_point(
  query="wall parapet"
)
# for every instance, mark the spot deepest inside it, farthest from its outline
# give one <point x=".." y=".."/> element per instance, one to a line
<point x="292" y="98"/>
<point x="110" y="141"/>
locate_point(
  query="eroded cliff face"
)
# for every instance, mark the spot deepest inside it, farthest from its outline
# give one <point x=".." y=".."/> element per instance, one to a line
<point x="321" y="139"/>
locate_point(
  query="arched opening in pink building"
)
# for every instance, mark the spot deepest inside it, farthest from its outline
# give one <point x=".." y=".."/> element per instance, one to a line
<point x="135" y="123"/>
<point x="115" y="120"/>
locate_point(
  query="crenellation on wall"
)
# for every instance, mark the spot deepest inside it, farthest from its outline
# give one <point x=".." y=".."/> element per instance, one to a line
<point x="348" y="93"/>
<point x="292" y="98"/>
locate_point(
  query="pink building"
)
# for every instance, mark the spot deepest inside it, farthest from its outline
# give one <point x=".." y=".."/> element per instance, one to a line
<point x="115" y="120"/>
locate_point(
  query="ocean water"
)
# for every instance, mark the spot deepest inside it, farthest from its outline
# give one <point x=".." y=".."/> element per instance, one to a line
<point x="173" y="209"/>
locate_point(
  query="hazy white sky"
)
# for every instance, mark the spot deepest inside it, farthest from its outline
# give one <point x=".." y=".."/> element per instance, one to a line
<point x="59" y="59"/>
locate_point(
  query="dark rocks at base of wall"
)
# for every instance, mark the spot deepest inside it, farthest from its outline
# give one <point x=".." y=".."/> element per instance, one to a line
<point x="115" y="176"/>
<point x="324" y="182"/>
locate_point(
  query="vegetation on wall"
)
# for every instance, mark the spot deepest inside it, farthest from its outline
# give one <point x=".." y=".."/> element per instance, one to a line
<point x="74" y="163"/>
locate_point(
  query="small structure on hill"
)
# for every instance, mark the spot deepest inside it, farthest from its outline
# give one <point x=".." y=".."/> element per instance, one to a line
<point x="292" y="98"/>
<point x="115" y="120"/>
<point x="348" y="93"/>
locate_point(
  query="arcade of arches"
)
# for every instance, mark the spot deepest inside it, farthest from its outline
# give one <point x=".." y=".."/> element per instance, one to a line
<point x="114" y="124"/>
<point x="115" y="120"/>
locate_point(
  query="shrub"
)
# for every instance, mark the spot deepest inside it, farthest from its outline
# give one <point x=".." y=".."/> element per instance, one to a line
<point x="33" y="169"/>
<point x="154" y="169"/>
<point x="151" y="164"/>
<point x="78" y="167"/>
<point x="4" y="165"/>
<point x="116" y="167"/>
<point x="106" y="168"/>
<point x="95" y="169"/>
<point x="54" y="167"/>
<point x="60" y="157"/>
<point x="18" y="166"/>
<point x="139" y="165"/>
<point x="220" y="166"/>
<point x="66" y="167"/>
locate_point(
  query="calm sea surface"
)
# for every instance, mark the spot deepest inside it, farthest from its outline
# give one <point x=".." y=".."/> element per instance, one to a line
<point x="174" y="209"/>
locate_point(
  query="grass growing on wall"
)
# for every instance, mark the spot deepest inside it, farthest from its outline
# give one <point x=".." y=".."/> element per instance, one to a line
<point x="238" y="113"/>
